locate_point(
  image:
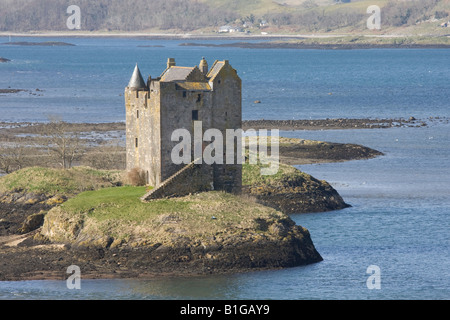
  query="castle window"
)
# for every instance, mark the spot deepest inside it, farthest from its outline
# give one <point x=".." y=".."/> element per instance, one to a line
<point x="194" y="115"/>
<point x="136" y="142"/>
<point x="199" y="97"/>
<point x="137" y="114"/>
<point x="184" y="94"/>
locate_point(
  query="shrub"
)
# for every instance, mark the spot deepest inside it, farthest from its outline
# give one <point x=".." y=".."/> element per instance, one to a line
<point x="136" y="177"/>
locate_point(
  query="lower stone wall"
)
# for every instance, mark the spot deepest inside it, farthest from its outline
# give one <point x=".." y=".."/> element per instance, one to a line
<point x="191" y="179"/>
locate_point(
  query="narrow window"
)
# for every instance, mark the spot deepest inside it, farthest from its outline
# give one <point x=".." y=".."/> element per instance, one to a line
<point x="137" y="114"/>
<point x="194" y="115"/>
<point x="136" y="142"/>
<point x="199" y="97"/>
<point x="184" y="94"/>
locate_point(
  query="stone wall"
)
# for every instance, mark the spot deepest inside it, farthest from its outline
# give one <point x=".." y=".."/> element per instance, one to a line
<point x="227" y="114"/>
<point x="176" y="113"/>
<point x="143" y="133"/>
<point x="155" y="112"/>
<point x="192" y="178"/>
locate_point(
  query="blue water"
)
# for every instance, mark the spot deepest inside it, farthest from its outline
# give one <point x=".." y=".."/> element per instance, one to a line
<point x="86" y="82"/>
<point x="399" y="219"/>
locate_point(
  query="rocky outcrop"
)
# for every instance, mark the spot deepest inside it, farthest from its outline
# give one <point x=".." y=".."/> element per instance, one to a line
<point x="22" y="212"/>
<point x="216" y="233"/>
<point x="299" y="194"/>
<point x="285" y="245"/>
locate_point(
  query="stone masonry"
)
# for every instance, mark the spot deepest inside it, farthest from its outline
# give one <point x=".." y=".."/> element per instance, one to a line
<point x="175" y="100"/>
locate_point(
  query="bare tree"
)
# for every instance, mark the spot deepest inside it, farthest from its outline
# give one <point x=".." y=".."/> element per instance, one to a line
<point x="109" y="156"/>
<point x="12" y="158"/>
<point x="64" y="144"/>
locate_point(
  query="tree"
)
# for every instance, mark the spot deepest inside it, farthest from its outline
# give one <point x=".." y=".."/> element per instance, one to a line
<point x="12" y="158"/>
<point x="65" y="145"/>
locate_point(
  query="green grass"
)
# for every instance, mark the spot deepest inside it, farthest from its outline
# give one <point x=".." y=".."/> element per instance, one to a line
<point x="118" y="213"/>
<point x="51" y="181"/>
<point x="251" y="175"/>
<point x="97" y="210"/>
<point x="120" y="203"/>
<point x="76" y="180"/>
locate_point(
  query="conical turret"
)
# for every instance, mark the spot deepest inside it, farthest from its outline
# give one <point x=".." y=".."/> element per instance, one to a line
<point x="136" y="81"/>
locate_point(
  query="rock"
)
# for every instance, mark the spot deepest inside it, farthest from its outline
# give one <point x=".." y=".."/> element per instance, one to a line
<point x="32" y="222"/>
<point x="4" y="60"/>
<point x="257" y="101"/>
<point x="298" y="196"/>
<point x="412" y="119"/>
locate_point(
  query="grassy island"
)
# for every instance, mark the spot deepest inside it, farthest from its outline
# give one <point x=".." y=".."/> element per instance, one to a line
<point x="205" y="232"/>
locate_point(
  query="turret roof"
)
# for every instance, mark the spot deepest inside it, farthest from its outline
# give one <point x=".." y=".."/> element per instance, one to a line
<point x="136" y="81"/>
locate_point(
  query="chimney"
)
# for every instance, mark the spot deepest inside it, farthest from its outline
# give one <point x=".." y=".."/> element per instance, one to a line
<point x="170" y="62"/>
<point x="203" y="66"/>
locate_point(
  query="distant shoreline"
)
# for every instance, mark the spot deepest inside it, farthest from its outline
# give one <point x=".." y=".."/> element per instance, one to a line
<point x="163" y="36"/>
<point x="271" y="41"/>
<point x="320" y="46"/>
<point x="45" y="43"/>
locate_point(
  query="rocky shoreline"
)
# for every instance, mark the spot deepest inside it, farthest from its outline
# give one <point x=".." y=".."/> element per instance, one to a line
<point x="31" y="260"/>
<point x="275" y="242"/>
<point x="333" y="124"/>
<point x="26" y="254"/>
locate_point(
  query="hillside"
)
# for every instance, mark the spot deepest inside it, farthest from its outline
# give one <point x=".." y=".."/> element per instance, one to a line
<point x="246" y="17"/>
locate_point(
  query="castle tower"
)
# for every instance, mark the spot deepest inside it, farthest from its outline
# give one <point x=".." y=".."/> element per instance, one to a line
<point x="181" y="98"/>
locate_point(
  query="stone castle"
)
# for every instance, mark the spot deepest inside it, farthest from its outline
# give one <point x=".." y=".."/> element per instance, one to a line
<point x="180" y="98"/>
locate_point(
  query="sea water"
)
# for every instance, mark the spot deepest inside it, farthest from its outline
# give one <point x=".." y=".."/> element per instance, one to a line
<point x="400" y="202"/>
<point x="85" y="82"/>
